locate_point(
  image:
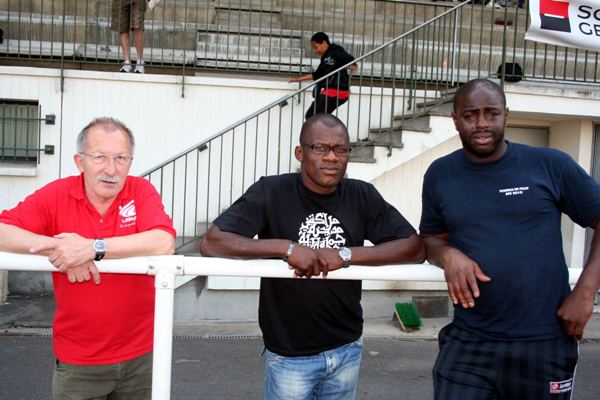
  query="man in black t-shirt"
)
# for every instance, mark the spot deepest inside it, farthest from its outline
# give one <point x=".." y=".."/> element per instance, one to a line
<point x="334" y="91"/>
<point x="317" y="221"/>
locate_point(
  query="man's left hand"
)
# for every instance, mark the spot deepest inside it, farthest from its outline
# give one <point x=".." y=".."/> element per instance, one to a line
<point x="334" y="261"/>
<point x="574" y="313"/>
<point x="84" y="273"/>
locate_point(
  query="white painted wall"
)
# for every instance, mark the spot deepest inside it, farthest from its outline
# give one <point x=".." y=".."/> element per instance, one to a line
<point x="165" y="123"/>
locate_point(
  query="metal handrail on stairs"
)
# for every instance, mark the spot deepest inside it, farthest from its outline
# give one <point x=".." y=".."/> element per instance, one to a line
<point x="403" y="78"/>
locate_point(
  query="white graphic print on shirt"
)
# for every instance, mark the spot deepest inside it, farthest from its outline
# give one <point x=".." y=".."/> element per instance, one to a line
<point x="321" y="230"/>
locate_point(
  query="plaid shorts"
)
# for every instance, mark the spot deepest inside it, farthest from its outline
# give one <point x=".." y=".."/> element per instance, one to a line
<point x="127" y="15"/>
<point x="469" y="367"/>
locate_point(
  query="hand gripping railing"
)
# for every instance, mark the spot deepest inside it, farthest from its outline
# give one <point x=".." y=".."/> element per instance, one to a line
<point x="165" y="268"/>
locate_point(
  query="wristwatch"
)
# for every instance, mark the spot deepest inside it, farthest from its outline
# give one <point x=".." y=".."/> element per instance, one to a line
<point x="288" y="253"/>
<point x="100" y="246"/>
<point x="346" y="255"/>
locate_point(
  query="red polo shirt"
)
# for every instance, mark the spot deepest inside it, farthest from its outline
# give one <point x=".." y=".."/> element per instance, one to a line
<point x="113" y="321"/>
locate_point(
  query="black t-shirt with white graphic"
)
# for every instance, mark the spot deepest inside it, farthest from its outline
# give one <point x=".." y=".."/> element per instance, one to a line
<point x="300" y="316"/>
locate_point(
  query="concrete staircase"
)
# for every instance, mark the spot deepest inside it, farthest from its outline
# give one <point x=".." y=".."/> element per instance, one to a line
<point x="273" y="36"/>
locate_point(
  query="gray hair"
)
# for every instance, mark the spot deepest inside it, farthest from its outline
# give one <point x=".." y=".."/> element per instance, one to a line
<point x="107" y="123"/>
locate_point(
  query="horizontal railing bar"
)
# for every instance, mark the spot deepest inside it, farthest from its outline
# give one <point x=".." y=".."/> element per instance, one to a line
<point x="214" y="266"/>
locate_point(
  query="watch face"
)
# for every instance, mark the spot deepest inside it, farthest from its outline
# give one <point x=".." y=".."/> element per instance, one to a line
<point x="100" y="246"/>
<point x="345" y="253"/>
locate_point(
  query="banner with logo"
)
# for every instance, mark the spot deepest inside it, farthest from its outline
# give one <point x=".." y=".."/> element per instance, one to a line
<point x="571" y="23"/>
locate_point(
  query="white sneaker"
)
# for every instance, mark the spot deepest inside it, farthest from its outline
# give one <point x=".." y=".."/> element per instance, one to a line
<point x="126" y="67"/>
<point x="139" y="67"/>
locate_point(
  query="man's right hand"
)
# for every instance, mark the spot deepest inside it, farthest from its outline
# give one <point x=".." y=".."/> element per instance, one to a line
<point x="462" y="274"/>
<point x="307" y="262"/>
<point x="66" y="250"/>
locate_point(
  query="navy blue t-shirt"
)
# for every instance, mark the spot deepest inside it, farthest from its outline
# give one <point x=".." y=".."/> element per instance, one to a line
<point x="506" y="216"/>
<point x="300" y="317"/>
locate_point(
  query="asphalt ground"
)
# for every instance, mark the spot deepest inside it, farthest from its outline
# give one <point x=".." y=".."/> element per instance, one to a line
<point x="231" y="368"/>
<point x="223" y="361"/>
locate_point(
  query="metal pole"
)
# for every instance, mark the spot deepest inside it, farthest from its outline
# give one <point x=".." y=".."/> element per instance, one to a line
<point x="163" y="335"/>
<point x="165" y="268"/>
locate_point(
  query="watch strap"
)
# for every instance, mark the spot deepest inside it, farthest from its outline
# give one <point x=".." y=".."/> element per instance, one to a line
<point x="288" y="253"/>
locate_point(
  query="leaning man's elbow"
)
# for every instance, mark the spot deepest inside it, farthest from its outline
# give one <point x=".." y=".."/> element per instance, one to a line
<point x="419" y="253"/>
<point x="205" y="247"/>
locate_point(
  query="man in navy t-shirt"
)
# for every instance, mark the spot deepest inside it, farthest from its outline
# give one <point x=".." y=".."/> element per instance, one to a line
<point x="491" y="218"/>
<point x="317" y="221"/>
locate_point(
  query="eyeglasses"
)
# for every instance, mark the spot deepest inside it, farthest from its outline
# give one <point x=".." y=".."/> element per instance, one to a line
<point x="99" y="158"/>
<point x="321" y="148"/>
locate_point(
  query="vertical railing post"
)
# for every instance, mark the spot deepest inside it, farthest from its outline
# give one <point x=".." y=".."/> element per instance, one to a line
<point x="165" y="268"/>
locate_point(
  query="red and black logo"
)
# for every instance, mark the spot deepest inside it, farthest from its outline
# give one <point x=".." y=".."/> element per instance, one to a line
<point x="554" y="15"/>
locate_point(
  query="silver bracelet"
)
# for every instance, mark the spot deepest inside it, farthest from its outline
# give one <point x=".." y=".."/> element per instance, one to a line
<point x="288" y="253"/>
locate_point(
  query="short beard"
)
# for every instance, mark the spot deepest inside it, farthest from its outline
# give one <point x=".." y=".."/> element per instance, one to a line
<point x="497" y="143"/>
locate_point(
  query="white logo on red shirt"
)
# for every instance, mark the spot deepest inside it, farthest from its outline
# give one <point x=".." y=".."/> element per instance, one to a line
<point x="128" y="214"/>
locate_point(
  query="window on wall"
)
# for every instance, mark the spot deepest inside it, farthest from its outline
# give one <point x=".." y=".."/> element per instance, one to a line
<point x="19" y="132"/>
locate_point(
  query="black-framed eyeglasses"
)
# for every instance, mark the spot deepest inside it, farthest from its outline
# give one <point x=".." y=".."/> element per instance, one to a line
<point x="322" y="148"/>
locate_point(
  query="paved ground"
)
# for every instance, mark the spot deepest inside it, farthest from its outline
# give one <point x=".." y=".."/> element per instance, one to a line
<point x="222" y="360"/>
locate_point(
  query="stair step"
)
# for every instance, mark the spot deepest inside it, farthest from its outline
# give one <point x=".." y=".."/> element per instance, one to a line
<point x="439" y="107"/>
<point x="362" y="152"/>
<point x="402" y="127"/>
<point x="249" y="6"/>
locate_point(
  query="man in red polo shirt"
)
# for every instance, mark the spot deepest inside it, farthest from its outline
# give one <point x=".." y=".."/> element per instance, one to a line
<point x="103" y="326"/>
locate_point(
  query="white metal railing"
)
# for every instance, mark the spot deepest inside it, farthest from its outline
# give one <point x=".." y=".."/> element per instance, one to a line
<point x="166" y="268"/>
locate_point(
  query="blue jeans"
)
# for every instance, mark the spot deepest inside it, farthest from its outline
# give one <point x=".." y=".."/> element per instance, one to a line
<point x="329" y="375"/>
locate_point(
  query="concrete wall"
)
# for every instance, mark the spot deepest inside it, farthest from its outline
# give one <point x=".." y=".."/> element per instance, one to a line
<point x="165" y="122"/>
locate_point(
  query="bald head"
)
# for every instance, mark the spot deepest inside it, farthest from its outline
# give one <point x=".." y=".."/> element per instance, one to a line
<point x="328" y="120"/>
<point x="475" y="84"/>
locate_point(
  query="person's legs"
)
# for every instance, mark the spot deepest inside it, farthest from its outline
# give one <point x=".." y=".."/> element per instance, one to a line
<point x="333" y="103"/>
<point x="312" y="109"/>
<point x="124" y="36"/>
<point x="138" y="39"/>
<point x="76" y="382"/>
<point x="127" y="380"/>
<point x="324" y="105"/>
<point x="330" y="375"/>
<point x="138" y="9"/>
<point x="133" y="379"/>
<point x="542" y="370"/>
<point x="341" y="379"/>
<point x="292" y="378"/>
<point x="120" y="22"/>
<point x="464" y="367"/>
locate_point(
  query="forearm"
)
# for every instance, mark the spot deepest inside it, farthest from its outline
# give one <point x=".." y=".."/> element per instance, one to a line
<point x="303" y="78"/>
<point x="17" y="240"/>
<point x="401" y="251"/>
<point x="153" y="242"/>
<point x="217" y="243"/>
<point x="437" y="249"/>
<point x="589" y="281"/>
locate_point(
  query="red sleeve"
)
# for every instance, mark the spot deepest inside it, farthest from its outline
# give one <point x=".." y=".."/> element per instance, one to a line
<point x="34" y="213"/>
<point x="150" y="209"/>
